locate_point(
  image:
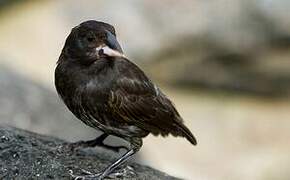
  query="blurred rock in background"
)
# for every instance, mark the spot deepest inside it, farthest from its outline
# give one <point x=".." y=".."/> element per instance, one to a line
<point x="27" y="104"/>
<point x="243" y="44"/>
<point x="242" y="47"/>
<point x="237" y="46"/>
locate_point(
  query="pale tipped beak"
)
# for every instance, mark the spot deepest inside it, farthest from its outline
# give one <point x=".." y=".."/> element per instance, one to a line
<point x="106" y="50"/>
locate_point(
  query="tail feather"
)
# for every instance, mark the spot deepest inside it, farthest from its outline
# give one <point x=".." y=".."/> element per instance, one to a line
<point x="187" y="134"/>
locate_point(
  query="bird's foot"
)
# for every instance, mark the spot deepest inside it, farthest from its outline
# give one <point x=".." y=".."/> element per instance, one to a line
<point x="86" y="176"/>
<point x="68" y="147"/>
<point x="127" y="172"/>
<point x="89" y="177"/>
<point x="77" y="145"/>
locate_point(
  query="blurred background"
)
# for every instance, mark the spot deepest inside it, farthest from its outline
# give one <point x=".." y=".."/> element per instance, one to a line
<point x="225" y="64"/>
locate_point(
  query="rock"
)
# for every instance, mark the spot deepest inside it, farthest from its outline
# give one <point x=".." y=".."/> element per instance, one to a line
<point x="242" y="49"/>
<point x="6" y="3"/>
<point x="30" y="105"/>
<point x="27" y="155"/>
<point x="199" y="44"/>
<point x="202" y="63"/>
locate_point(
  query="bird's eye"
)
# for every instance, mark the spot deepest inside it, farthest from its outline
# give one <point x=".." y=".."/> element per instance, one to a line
<point x="90" y="39"/>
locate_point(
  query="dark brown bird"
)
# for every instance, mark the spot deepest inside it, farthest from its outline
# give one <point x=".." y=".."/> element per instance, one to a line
<point x="106" y="91"/>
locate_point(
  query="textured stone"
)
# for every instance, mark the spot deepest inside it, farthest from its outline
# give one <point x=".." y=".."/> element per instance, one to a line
<point x="26" y="155"/>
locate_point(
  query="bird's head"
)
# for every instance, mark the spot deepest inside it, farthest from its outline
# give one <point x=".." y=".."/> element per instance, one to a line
<point x="91" y="40"/>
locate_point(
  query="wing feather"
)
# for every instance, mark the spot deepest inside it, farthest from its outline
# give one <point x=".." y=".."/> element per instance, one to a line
<point x="142" y="103"/>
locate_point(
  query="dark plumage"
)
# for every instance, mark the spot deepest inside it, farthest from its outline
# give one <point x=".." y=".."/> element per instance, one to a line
<point x="106" y="91"/>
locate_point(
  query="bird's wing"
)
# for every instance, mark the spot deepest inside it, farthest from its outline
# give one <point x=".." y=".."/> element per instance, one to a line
<point x="141" y="103"/>
<point x="135" y="100"/>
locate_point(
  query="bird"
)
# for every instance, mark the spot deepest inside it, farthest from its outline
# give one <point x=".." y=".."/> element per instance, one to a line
<point x="110" y="93"/>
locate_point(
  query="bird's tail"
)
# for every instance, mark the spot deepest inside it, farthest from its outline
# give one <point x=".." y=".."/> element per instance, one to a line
<point x="187" y="134"/>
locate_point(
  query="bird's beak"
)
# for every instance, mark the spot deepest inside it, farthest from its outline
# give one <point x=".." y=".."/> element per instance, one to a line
<point x="112" y="42"/>
<point x="106" y="50"/>
<point x="111" y="48"/>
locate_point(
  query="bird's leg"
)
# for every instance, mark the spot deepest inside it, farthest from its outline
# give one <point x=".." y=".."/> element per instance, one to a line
<point x="135" y="146"/>
<point x="99" y="141"/>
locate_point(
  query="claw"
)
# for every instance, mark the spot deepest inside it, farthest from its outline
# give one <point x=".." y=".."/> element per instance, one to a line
<point x="135" y="144"/>
<point x="128" y="172"/>
<point x="87" y="175"/>
<point x="86" y="172"/>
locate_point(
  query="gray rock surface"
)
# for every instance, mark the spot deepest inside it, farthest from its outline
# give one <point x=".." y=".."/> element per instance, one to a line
<point x="26" y="155"/>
